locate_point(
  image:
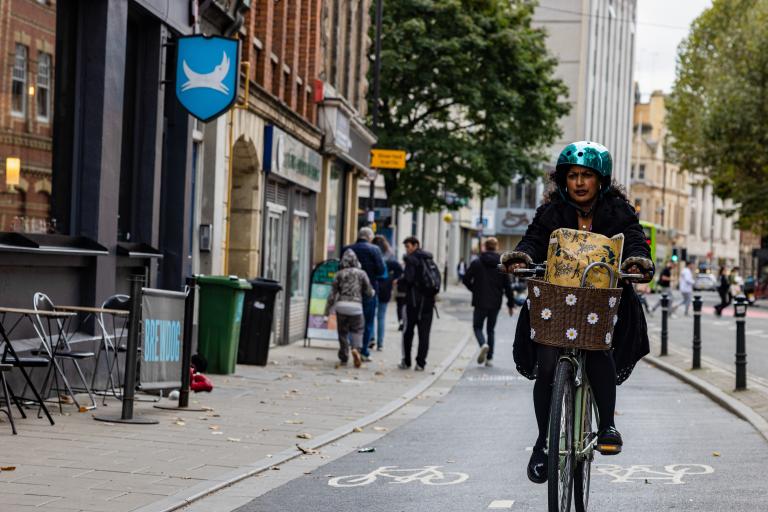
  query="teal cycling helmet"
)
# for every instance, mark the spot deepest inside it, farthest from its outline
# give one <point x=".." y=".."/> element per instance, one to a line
<point x="587" y="154"/>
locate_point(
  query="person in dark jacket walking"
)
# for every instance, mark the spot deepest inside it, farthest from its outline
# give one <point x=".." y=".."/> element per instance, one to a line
<point x="372" y="263"/>
<point x="418" y="304"/>
<point x="394" y="271"/>
<point x="487" y="285"/>
<point x="585" y="198"/>
<point x="723" y="289"/>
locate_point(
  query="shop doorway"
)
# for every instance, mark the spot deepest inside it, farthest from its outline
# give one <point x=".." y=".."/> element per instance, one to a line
<point x="275" y="257"/>
<point x="243" y="247"/>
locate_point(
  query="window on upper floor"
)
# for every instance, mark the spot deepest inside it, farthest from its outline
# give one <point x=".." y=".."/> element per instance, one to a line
<point x="43" y="92"/>
<point x="19" y="81"/>
<point x="641" y="172"/>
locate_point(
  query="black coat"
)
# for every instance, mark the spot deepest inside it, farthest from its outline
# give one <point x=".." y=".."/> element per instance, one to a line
<point x="486" y="283"/>
<point x="612" y="215"/>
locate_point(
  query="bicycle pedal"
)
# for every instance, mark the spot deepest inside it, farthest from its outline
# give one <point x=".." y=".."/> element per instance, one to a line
<point x="608" y="449"/>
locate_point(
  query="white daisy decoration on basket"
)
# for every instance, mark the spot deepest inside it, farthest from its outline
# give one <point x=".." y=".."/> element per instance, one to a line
<point x="608" y="338"/>
<point x="571" y="334"/>
<point x="533" y="333"/>
<point x="615" y="319"/>
<point x="570" y="299"/>
<point x="536" y="291"/>
<point x="546" y="313"/>
<point x="592" y="318"/>
<point x="612" y="301"/>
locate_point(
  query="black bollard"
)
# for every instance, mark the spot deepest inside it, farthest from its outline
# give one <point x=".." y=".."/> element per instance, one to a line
<point x="696" y="332"/>
<point x="131" y="356"/>
<point x="664" y="328"/>
<point x="740" y="313"/>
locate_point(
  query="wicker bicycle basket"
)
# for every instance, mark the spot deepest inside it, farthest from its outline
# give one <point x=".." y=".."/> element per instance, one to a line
<point x="571" y="317"/>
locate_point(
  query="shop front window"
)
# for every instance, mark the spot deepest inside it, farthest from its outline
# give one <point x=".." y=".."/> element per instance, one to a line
<point x="300" y="255"/>
<point x="26" y="156"/>
<point x="335" y="212"/>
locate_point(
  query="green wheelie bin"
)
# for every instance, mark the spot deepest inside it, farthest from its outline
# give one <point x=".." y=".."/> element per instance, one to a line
<point x="221" y="309"/>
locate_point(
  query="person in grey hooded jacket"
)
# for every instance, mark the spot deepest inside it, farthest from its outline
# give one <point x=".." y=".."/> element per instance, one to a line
<point x="349" y="287"/>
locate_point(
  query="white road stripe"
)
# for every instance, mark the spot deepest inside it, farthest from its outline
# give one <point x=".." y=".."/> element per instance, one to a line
<point x="501" y="504"/>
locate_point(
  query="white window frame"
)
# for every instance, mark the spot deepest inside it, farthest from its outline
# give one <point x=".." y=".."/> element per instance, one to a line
<point x="44" y="82"/>
<point x="19" y="74"/>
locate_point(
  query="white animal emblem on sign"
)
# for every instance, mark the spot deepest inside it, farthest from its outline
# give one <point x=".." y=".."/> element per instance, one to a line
<point x="672" y="474"/>
<point x="428" y="475"/>
<point x="213" y="80"/>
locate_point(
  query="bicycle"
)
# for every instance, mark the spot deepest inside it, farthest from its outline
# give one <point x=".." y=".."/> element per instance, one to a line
<point x="573" y="418"/>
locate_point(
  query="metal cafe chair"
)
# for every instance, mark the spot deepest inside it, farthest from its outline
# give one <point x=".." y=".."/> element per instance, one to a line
<point x="113" y="323"/>
<point x="57" y="348"/>
<point x="12" y="358"/>
<point x="7" y="396"/>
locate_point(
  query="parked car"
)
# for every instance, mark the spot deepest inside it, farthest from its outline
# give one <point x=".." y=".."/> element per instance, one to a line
<point x="705" y="282"/>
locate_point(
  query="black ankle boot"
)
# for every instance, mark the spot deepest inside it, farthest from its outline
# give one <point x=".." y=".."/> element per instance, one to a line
<point x="537" y="466"/>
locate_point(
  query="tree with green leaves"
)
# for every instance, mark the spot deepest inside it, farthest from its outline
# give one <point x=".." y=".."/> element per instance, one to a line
<point x="468" y="90"/>
<point x="718" y="108"/>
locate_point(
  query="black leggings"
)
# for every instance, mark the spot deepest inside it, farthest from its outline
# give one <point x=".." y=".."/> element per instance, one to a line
<point x="601" y="371"/>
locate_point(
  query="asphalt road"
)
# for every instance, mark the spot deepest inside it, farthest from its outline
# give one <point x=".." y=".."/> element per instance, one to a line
<point x="718" y="334"/>
<point x="469" y="452"/>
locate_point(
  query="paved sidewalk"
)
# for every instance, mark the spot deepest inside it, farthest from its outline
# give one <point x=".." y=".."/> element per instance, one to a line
<point x="257" y="415"/>
<point x="716" y="382"/>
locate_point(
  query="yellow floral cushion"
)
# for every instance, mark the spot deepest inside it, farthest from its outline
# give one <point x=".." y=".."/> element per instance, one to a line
<point x="571" y="250"/>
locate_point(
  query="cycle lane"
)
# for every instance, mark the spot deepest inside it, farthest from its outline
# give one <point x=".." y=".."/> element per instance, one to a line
<point x="468" y="452"/>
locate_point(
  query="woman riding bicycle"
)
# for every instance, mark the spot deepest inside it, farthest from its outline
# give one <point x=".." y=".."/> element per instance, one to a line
<point x="585" y="198"/>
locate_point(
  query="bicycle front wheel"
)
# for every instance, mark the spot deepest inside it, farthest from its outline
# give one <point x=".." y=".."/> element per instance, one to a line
<point x="560" y="442"/>
<point x="583" y="471"/>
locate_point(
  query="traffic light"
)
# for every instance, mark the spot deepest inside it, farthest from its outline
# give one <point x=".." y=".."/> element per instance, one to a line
<point x="674" y="255"/>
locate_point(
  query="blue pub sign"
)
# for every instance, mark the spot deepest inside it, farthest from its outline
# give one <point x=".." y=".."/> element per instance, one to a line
<point x="207" y="74"/>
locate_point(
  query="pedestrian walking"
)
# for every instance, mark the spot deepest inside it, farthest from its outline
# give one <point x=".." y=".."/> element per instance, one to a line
<point x="487" y="285"/>
<point x="384" y="295"/>
<point x="349" y="289"/>
<point x="372" y="263"/>
<point x="686" y="287"/>
<point x="723" y="289"/>
<point x="643" y="290"/>
<point x="736" y="283"/>
<point x="461" y="270"/>
<point x="665" y="284"/>
<point x="421" y="283"/>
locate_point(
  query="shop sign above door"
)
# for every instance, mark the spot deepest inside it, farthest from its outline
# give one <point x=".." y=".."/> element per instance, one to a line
<point x="207" y="74"/>
<point x="288" y="157"/>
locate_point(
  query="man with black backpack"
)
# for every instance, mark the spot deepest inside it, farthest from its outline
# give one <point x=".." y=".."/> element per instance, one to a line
<point x="421" y="282"/>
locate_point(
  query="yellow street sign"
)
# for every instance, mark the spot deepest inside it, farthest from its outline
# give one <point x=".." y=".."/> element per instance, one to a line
<point x="387" y="159"/>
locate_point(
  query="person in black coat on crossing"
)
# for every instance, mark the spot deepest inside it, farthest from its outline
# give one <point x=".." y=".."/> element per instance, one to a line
<point x="487" y="285"/>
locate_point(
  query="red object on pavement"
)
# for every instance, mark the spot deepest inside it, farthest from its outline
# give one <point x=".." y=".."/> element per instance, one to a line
<point x="200" y="382"/>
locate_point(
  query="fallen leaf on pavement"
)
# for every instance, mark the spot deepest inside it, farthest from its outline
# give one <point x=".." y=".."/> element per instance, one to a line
<point x="304" y="435"/>
<point x="217" y="433"/>
<point x="381" y="429"/>
<point x="233" y="439"/>
<point x="8" y="468"/>
<point x="306" y="451"/>
<point x="294" y="422"/>
<point x="716" y="454"/>
<point x="180" y="423"/>
<point x="379" y="374"/>
<point x="357" y="429"/>
<point x="214" y="427"/>
<point x="275" y="468"/>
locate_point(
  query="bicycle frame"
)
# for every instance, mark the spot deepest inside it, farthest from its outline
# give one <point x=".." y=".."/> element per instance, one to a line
<point x="580" y="399"/>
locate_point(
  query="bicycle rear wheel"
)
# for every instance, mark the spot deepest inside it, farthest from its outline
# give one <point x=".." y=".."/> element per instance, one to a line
<point x="583" y="471"/>
<point x="560" y="441"/>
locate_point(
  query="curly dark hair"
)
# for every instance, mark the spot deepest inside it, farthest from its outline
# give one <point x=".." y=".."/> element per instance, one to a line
<point x="552" y="195"/>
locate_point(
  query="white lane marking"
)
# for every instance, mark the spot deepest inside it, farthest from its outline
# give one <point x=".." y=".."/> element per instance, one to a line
<point x="721" y="322"/>
<point x="502" y="504"/>
<point x="673" y="473"/>
<point x="755" y="332"/>
<point x="428" y="475"/>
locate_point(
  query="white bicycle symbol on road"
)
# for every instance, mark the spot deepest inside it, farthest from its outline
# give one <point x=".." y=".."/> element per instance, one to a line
<point x="673" y="473"/>
<point x="428" y="475"/>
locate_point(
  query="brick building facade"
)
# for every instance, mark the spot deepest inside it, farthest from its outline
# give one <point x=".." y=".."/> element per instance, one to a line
<point x="27" y="58"/>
